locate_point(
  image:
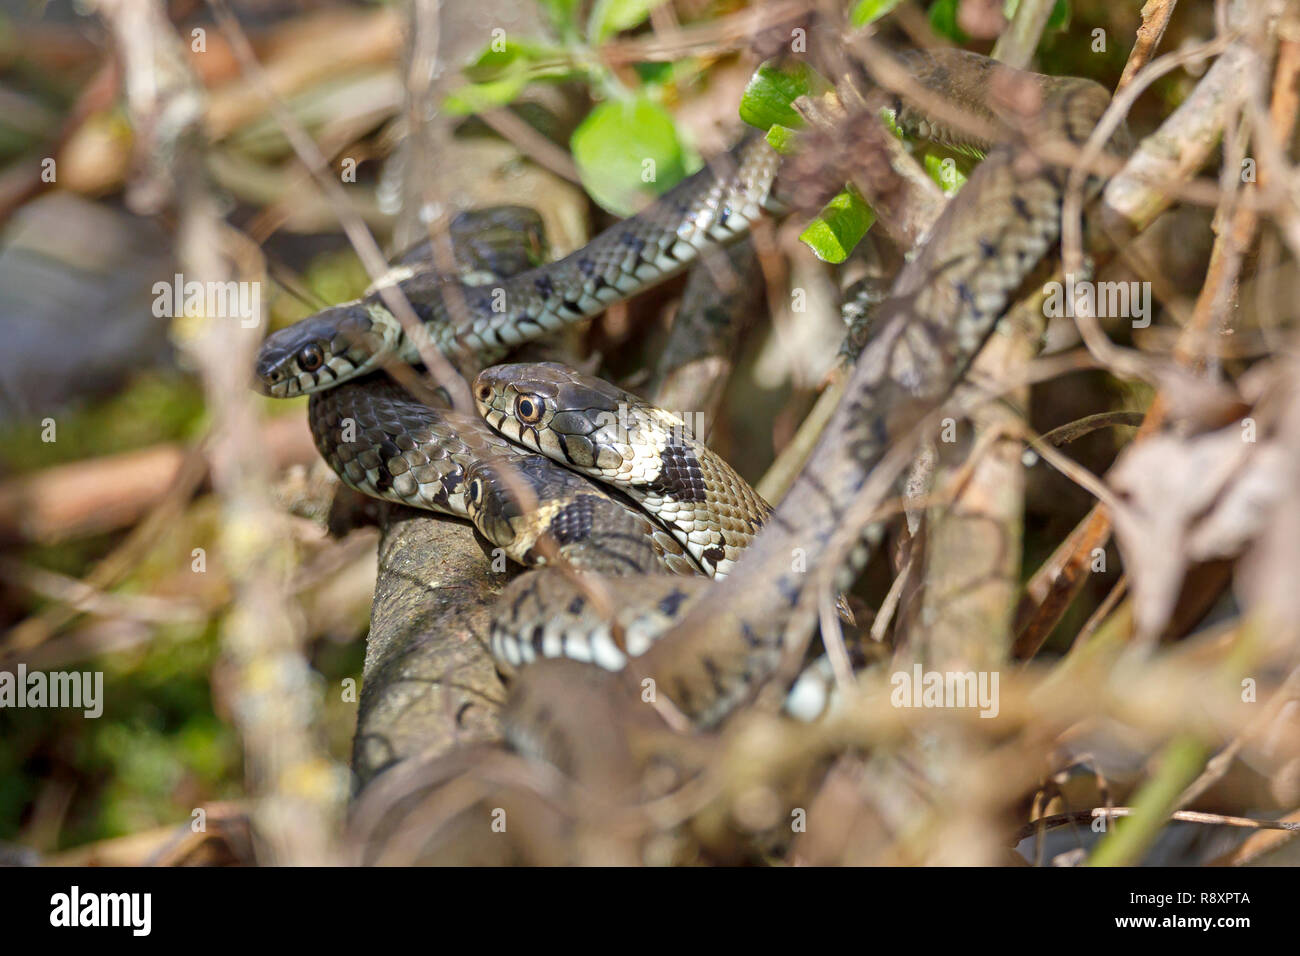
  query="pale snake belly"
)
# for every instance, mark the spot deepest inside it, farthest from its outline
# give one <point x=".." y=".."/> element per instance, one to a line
<point x="717" y="643"/>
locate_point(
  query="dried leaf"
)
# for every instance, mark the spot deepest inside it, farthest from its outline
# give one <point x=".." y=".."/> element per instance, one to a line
<point x="1186" y="500"/>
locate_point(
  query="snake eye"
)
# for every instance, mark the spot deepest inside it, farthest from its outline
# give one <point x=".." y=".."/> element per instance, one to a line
<point x="311" y="358"/>
<point x="528" y="409"/>
<point x="475" y="491"/>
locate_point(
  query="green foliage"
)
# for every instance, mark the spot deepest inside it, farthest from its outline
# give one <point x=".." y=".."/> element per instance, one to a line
<point x="498" y="76"/>
<point x="945" y="170"/>
<point x="768" y="103"/>
<point x="507" y="66"/>
<point x="943" y="21"/>
<point x="943" y="16"/>
<point x="626" y="149"/>
<point x="1057" y="20"/>
<point x="839" y="226"/>
<point x="155" y="407"/>
<point x="869" y="11"/>
<point x="157" y="751"/>
<point x="769" y="96"/>
<point x="658" y="74"/>
<point x="563" y="15"/>
<point x="782" y="139"/>
<point x="611" y="16"/>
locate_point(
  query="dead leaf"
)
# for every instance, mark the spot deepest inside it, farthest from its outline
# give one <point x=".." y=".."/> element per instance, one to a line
<point x="1186" y="500"/>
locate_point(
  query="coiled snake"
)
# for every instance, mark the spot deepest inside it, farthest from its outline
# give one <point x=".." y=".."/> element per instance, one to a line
<point x="717" y="641"/>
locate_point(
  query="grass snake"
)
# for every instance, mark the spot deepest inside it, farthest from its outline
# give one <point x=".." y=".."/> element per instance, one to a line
<point x="707" y="645"/>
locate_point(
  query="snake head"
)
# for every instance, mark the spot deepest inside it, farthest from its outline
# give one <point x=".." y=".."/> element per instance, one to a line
<point x="516" y="400"/>
<point x="332" y="346"/>
<point x="503" y="494"/>
<point x="553" y="409"/>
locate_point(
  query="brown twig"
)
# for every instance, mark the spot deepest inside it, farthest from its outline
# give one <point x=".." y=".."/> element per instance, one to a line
<point x="532" y="144"/>
<point x="1188" y="135"/>
<point x="296" y="788"/>
<point x="1116" y="813"/>
<point x="1155" y="18"/>
<point x="367" y="249"/>
<point x="713" y="38"/>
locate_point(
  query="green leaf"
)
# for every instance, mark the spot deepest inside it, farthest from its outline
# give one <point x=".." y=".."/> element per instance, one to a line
<point x="611" y="16"/>
<point x="499" y="75"/>
<point x="943" y="20"/>
<point x="1059" y="19"/>
<point x="768" y="99"/>
<point x="628" y="151"/>
<point x="479" y="97"/>
<point x="515" y="57"/>
<point x="839" y="227"/>
<point x="890" y="119"/>
<point x="782" y="139"/>
<point x="563" y="15"/>
<point x="945" y="171"/>
<point x="869" y="11"/>
<point x="654" y="74"/>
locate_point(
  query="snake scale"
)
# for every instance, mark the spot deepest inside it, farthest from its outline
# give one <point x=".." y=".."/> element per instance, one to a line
<point x="708" y="645"/>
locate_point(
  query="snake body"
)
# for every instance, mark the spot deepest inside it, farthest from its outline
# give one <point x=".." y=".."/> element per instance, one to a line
<point x="709" y="645"/>
<point x="715" y="206"/>
<point x="386" y="444"/>
<point x="941" y="309"/>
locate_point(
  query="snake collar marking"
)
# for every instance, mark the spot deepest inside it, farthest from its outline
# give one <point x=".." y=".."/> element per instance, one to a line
<point x="615" y="437"/>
